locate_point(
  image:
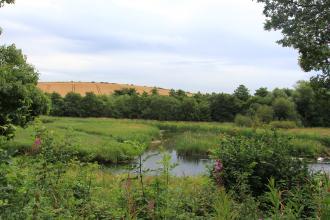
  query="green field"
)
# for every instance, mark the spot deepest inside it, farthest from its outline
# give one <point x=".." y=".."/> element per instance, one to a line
<point x="110" y="140"/>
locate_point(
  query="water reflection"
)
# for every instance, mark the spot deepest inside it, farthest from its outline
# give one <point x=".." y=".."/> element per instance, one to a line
<point x="323" y="167"/>
<point x="186" y="166"/>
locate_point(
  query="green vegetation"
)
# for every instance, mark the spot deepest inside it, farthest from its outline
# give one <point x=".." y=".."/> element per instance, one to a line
<point x="109" y="140"/>
<point x="248" y="181"/>
<point x="301" y="30"/>
<point x="306" y="105"/>
<point x="45" y="171"/>
<point x="283" y="124"/>
<point x="195" y="143"/>
<point x="95" y="139"/>
<point x="20" y="100"/>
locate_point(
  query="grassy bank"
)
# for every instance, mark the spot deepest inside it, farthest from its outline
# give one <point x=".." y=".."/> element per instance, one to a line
<point x="106" y="140"/>
<point x="202" y="136"/>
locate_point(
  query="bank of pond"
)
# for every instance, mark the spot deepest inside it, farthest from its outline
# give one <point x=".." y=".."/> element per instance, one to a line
<point x="60" y="168"/>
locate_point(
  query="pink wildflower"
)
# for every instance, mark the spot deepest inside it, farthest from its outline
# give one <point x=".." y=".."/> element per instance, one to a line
<point x="37" y="141"/>
<point x="218" y="167"/>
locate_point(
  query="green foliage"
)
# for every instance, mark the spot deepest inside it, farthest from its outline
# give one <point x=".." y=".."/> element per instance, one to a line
<point x="195" y="143"/>
<point x="20" y="100"/>
<point x="304" y="98"/>
<point x="92" y="106"/>
<point x="57" y="104"/>
<point x="224" y="107"/>
<point x="242" y="93"/>
<point x="262" y="92"/>
<point x="283" y="124"/>
<point x="125" y="91"/>
<point x="321" y="88"/>
<point x="307" y="148"/>
<point x="284" y="109"/>
<point x="72" y="105"/>
<point x="100" y="140"/>
<point x="306" y="104"/>
<point x="51" y="183"/>
<point x="243" y="121"/>
<point x="304" y="25"/>
<point x="253" y="161"/>
<point x="225" y="207"/>
<point x="265" y="113"/>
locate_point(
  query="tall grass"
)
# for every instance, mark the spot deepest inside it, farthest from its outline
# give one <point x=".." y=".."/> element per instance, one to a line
<point x="103" y="140"/>
<point x="195" y="143"/>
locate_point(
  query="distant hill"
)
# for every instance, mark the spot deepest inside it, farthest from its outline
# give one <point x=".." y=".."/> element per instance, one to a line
<point x="98" y="88"/>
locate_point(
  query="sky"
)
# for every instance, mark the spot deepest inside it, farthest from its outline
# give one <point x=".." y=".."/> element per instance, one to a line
<point x="194" y="45"/>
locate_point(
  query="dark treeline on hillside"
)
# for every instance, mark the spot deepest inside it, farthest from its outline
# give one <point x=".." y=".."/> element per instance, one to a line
<point x="307" y="104"/>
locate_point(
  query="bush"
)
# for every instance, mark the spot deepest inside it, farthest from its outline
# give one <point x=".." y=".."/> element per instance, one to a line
<point x="265" y="113"/>
<point x="243" y="121"/>
<point x="283" y="124"/>
<point x="251" y="162"/>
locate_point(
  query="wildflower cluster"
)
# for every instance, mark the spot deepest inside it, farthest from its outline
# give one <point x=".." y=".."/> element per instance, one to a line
<point x="217" y="170"/>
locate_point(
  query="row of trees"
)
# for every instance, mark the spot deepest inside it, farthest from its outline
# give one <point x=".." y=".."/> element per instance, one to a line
<point x="307" y="103"/>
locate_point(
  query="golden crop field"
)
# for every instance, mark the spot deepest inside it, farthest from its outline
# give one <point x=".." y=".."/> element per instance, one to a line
<point x="98" y="88"/>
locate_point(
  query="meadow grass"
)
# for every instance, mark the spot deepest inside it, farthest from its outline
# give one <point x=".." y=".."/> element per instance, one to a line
<point x="200" y="137"/>
<point x="105" y="139"/>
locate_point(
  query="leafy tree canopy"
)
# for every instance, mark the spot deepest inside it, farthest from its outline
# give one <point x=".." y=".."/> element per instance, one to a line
<point x="305" y="25"/>
<point x="20" y="99"/>
<point x="242" y="93"/>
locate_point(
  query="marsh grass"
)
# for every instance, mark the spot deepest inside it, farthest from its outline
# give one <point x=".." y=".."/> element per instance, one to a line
<point x="102" y="140"/>
<point x="195" y="143"/>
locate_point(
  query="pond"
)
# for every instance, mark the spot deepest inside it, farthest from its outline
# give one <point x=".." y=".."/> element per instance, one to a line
<point x="188" y="165"/>
<point x="185" y="165"/>
<point x="322" y="166"/>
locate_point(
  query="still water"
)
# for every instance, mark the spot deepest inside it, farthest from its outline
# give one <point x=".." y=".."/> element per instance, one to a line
<point x="323" y="167"/>
<point x="185" y="165"/>
<point x="188" y="165"/>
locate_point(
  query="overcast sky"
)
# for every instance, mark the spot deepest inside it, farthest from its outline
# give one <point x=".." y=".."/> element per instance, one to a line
<point x="195" y="45"/>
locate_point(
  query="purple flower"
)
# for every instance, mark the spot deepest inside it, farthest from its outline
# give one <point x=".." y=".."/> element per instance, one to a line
<point x="218" y="166"/>
<point x="37" y="141"/>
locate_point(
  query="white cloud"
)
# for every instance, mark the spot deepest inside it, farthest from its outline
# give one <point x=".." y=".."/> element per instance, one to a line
<point x="207" y="45"/>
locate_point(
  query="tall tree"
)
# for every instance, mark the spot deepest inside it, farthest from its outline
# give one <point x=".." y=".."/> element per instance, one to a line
<point x="305" y="25"/>
<point x="20" y="100"/>
<point x="224" y="107"/>
<point x="242" y="93"/>
<point x="304" y="98"/>
<point x="321" y="88"/>
<point x="72" y="105"/>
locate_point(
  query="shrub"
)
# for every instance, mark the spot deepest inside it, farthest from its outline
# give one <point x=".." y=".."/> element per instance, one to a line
<point x="243" y="121"/>
<point x="284" y="109"/>
<point x="265" y="113"/>
<point x="253" y="161"/>
<point x="283" y="124"/>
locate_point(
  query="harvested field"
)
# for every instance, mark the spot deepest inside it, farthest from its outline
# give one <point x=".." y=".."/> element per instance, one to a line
<point x="98" y="88"/>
